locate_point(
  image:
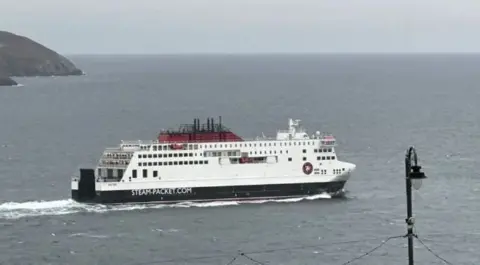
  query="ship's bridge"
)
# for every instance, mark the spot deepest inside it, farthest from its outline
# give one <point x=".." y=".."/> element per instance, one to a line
<point x="297" y="132"/>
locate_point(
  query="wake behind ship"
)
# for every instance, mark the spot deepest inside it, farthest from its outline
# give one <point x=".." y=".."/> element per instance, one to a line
<point x="207" y="162"/>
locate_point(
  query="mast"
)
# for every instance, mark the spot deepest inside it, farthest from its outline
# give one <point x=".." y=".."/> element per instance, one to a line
<point x="220" y="131"/>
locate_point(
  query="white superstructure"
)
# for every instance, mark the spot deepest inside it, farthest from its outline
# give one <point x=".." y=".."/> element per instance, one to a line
<point x="154" y="170"/>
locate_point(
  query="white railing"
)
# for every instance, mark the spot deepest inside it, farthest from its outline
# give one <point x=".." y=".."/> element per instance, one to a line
<point x="113" y="149"/>
<point x="138" y="142"/>
<point x="117" y="155"/>
<point x="147" y="144"/>
<point x="112" y="162"/>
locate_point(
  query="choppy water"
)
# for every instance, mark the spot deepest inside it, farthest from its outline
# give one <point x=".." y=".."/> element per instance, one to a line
<point x="377" y="106"/>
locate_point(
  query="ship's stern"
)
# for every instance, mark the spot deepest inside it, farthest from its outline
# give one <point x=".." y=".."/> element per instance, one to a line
<point x="83" y="186"/>
<point x="74" y="187"/>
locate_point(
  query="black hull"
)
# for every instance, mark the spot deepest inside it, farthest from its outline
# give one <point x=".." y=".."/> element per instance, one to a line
<point x="209" y="193"/>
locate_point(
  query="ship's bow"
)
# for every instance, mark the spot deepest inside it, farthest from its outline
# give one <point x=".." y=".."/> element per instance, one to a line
<point x="339" y="182"/>
<point x="347" y="173"/>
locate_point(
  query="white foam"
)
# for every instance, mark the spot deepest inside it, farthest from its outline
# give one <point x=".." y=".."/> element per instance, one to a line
<point x="319" y="196"/>
<point x="34" y="205"/>
<point x="17" y="85"/>
<point x="16" y="210"/>
<point x="88" y="235"/>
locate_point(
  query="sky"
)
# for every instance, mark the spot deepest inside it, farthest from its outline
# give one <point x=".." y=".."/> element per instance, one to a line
<point x="246" y="26"/>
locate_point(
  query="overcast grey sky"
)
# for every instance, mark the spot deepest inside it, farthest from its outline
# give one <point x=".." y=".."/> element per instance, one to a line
<point x="251" y="26"/>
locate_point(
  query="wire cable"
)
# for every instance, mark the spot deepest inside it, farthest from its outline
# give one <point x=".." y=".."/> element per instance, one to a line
<point x="432" y="252"/>
<point x="252" y="259"/>
<point x="244" y="253"/>
<point x="188" y="259"/>
<point x="372" y="250"/>
<point x="233" y="259"/>
<point x="312" y="246"/>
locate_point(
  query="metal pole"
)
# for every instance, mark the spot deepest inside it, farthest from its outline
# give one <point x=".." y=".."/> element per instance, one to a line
<point x="409" y="219"/>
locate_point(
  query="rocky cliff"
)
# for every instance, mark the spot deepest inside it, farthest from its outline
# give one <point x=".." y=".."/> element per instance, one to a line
<point x="21" y="56"/>
<point x="7" y="81"/>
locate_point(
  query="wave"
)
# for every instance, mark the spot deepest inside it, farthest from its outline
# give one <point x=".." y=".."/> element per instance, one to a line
<point x="16" y="210"/>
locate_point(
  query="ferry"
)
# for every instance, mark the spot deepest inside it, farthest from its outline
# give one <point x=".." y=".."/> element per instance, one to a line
<point x="209" y="162"/>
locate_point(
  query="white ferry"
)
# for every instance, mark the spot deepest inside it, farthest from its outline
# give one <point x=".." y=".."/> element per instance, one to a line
<point x="207" y="162"/>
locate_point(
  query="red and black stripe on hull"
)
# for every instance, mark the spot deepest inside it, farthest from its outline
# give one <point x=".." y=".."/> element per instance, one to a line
<point x="86" y="192"/>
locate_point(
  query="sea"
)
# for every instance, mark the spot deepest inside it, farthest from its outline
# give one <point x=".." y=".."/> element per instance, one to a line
<point x="376" y="105"/>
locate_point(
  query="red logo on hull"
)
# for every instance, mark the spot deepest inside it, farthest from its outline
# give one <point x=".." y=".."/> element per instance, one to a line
<point x="307" y="168"/>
